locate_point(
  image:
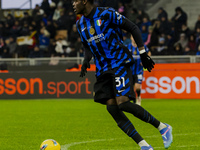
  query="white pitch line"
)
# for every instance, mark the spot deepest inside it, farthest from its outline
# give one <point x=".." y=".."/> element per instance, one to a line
<point x="67" y="146"/>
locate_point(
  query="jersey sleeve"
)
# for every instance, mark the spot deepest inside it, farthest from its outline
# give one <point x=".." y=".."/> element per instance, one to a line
<point x="77" y="26"/>
<point x="124" y="23"/>
<point x="87" y="52"/>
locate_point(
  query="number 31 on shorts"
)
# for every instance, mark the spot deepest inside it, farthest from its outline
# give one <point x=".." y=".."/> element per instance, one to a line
<point x="120" y="81"/>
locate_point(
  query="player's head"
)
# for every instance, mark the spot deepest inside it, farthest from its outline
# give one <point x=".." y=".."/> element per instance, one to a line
<point x="80" y="6"/>
<point x="91" y="1"/>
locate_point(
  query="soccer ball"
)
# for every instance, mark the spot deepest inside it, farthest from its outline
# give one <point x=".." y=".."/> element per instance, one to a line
<point x="50" y="144"/>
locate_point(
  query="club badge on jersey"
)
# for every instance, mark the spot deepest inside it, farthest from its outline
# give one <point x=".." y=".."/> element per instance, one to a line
<point x="92" y="31"/>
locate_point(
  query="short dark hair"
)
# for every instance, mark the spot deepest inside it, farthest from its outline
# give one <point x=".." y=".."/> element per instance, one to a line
<point x="91" y="1"/>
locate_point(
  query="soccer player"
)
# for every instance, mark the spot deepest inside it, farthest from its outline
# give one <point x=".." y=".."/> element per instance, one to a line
<point x="100" y="30"/>
<point x="137" y="68"/>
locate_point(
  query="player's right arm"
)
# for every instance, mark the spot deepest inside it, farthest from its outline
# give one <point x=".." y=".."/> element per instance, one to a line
<point x="86" y="61"/>
<point x="87" y="54"/>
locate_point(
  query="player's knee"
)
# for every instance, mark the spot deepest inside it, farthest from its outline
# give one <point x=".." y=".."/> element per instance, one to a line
<point x="121" y="99"/>
<point x="111" y="102"/>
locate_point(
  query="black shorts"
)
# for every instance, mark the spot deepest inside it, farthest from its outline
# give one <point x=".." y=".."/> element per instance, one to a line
<point x="114" y="83"/>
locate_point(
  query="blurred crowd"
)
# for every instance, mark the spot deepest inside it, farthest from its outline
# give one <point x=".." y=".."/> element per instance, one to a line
<point x="167" y="36"/>
<point x="50" y="31"/>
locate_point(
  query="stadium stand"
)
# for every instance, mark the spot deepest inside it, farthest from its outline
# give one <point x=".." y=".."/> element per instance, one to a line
<point x="48" y="30"/>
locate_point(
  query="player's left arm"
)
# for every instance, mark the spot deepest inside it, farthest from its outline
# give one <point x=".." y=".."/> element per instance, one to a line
<point x="129" y="26"/>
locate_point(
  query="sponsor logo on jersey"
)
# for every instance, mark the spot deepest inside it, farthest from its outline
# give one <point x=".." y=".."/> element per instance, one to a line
<point x="97" y="38"/>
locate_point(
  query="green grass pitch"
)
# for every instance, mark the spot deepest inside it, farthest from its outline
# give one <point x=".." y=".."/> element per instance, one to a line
<point x="85" y="125"/>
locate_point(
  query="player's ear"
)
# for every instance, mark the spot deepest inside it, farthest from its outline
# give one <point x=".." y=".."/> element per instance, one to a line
<point x="85" y="2"/>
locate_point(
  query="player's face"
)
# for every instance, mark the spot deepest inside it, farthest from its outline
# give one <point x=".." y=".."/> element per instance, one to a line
<point x="78" y="6"/>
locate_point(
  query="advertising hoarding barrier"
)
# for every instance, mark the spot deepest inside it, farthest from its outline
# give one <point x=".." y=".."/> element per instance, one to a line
<point x="177" y="81"/>
<point x="36" y="85"/>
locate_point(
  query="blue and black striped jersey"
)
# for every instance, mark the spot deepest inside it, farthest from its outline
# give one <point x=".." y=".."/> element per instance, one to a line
<point x="101" y="33"/>
<point x="137" y="67"/>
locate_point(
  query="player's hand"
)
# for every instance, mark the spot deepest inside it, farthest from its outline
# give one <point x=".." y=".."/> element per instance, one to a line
<point x="85" y="65"/>
<point x="147" y="62"/>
